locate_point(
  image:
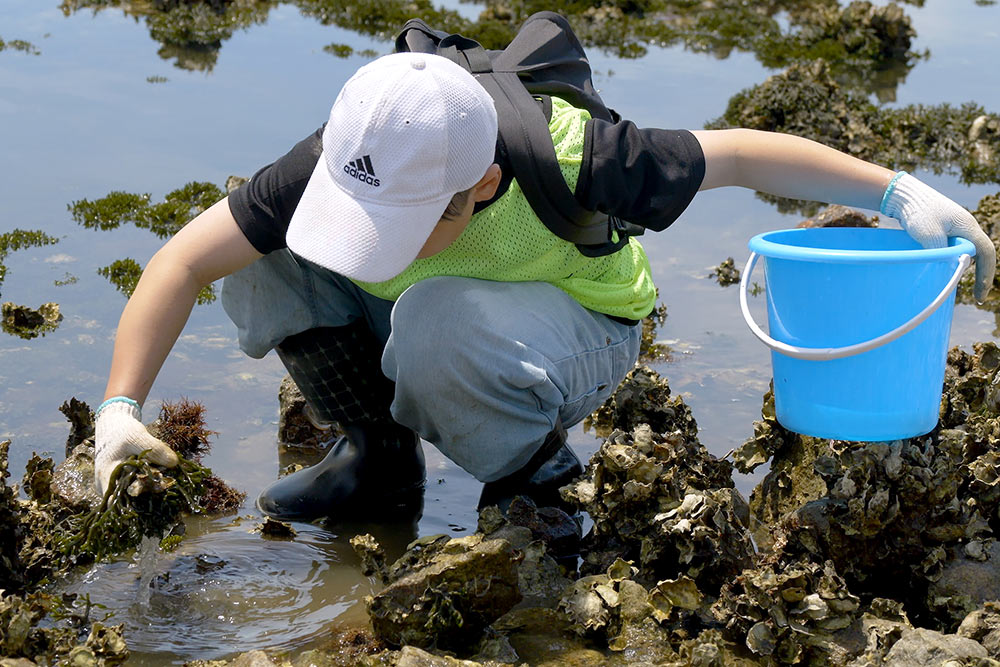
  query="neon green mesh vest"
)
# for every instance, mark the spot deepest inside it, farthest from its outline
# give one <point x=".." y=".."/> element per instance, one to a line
<point x="507" y="242"/>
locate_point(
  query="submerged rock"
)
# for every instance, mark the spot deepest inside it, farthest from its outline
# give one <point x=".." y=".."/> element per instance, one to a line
<point x="273" y="529"/>
<point x="968" y="578"/>
<point x="644" y="398"/>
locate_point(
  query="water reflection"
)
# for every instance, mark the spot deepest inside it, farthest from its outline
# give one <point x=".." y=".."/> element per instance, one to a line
<point x="19" y="45"/>
<point x="189" y="33"/>
<point x="164" y="219"/>
<point x="226" y="589"/>
<point x="871" y="44"/>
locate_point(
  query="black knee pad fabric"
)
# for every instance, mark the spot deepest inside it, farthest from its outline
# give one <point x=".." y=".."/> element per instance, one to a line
<point x="339" y="371"/>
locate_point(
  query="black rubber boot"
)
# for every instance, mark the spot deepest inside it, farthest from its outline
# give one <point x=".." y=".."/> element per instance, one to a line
<point x="374" y="471"/>
<point x="378" y="466"/>
<point x="554" y="465"/>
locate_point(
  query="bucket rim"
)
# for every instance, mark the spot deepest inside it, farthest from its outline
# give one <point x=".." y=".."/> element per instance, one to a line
<point x="765" y="244"/>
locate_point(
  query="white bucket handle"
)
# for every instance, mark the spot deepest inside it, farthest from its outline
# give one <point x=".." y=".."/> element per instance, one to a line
<point x="828" y="353"/>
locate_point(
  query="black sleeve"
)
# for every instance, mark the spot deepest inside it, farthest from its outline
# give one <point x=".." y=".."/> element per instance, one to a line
<point x="645" y="176"/>
<point x="263" y="206"/>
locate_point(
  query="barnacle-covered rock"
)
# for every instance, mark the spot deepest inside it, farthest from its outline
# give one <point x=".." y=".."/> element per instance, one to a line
<point x="11" y="530"/>
<point x="81" y="423"/>
<point x="295" y="428"/>
<point x="792" y="480"/>
<point x="710" y="648"/>
<point x="632" y="621"/>
<point x="921" y="646"/>
<point x="665" y="503"/>
<point x="541" y="579"/>
<point x="557" y="530"/>
<point x="372" y="556"/>
<point x="921" y="511"/>
<point x="983" y="625"/>
<point x="644" y="398"/>
<point x="73" y="479"/>
<point x="968" y="578"/>
<point x="412" y="656"/>
<point x="543" y="636"/>
<point x="28" y="631"/>
<point x="807" y="100"/>
<point x="792" y="611"/>
<point x="444" y="592"/>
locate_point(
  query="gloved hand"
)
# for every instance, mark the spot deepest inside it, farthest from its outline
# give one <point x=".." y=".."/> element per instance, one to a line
<point x="119" y="434"/>
<point x="930" y="218"/>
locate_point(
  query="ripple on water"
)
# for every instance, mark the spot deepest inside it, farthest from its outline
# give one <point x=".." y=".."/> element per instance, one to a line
<point x="226" y="590"/>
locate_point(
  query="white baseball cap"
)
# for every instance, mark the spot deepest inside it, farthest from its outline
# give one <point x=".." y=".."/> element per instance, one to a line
<point x="406" y="133"/>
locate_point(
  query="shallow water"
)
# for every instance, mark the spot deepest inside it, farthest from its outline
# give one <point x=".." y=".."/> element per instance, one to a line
<point x="81" y="120"/>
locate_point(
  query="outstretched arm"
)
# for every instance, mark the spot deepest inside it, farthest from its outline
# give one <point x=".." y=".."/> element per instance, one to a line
<point x="207" y="248"/>
<point x="790" y="166"/>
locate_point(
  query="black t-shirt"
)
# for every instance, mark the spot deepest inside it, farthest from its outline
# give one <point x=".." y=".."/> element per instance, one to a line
<point x="645" y="176"/>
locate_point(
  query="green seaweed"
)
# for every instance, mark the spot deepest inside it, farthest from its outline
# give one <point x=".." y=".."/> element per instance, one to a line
<point x="140" y="501"/>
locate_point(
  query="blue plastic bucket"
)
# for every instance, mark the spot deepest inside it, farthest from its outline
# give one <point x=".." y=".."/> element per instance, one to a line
<point x="859" y="323"/>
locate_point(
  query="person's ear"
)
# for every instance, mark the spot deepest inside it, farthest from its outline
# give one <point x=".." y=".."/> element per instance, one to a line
<point x="488" y="184"/>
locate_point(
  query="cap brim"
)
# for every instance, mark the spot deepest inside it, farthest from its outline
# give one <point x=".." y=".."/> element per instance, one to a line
<point x="360" y="239"/>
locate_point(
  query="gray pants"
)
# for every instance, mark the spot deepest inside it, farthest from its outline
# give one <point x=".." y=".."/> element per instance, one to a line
<point x="482" y="369"/>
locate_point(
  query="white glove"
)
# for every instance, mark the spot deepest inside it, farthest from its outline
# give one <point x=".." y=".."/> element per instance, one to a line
<point x="119" y="434"/>
<point x="930" y="218"/>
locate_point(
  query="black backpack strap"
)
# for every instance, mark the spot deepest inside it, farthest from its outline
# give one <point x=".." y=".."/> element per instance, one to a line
<point x="533" y="159"/>
<point x="544" y="58"/>
<point x="418" y="37"/>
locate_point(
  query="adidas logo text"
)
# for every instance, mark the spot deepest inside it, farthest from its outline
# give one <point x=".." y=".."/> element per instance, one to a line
<point x="362" y="170"/>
